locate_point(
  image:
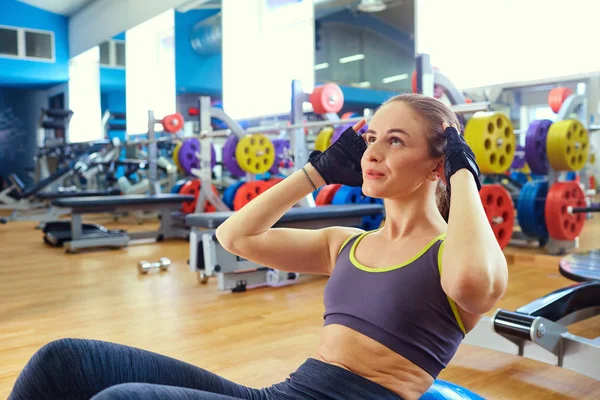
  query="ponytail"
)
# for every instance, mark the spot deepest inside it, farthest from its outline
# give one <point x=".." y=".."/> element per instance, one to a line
<point x="443" y="200"/>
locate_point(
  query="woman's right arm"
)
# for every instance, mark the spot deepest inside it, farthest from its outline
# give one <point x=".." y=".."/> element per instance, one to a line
<point x="249" y="233"/>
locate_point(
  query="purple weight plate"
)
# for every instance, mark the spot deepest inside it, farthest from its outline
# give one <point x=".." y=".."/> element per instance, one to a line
<point x="280" y="146"/>
<point x="187" y="155"/>
<point x="535" y="146"/>
<point x="229" y="157"/>
<point x="341" y="128"/>
<point x="519" y="160"/>
<point x="213" y="156"/>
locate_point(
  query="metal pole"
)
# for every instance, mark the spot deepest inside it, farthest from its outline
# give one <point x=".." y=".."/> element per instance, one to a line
<point x="425" y="78"/>
<point x="152" y="155"/>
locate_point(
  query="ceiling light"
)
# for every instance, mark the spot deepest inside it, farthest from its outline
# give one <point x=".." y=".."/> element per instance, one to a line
<point x="395" y="78"/>
<point x="371" y="6"/>
<point x="364" y="84"/>
<point x="321" y="66"/>
<point x="355" y="57"/>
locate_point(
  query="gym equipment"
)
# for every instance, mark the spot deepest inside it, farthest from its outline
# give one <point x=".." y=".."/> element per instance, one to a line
<point x="519" y="160"/>
<point x="347" y="195"/>
<point x="172" y="123"/>
<point x="562" y="224"/>
<point x="581" y="267"/>
<point x="229" y="156"/>
<point x="557" y="97"/>
<point x="171" y="225"/>
<point x="341" y="128"/>
<point x="187" y="155"/>
<point x="531" y="209"/>
<point x="539" y="330"/>
<point x="192" y="188"/>
<point x="371" y="222"/>
<point x="146" y="266"/>
<point x="56" y="233"/>
<point x="499" y="210"/>
<point x="492" y="138"/>
<point x="535" y="146"/>
<point x="208" y="258"/>
<point x="229" y="193"/>
<point x="327" y="98"/>
<point x="326" y="194"/>
<point x="53" y="119"/>
<point x="324" y="138"/>
<point x="567" y="145"/>
<point x="247" y="192"/>
<point x="255" y="153"/>
<point x="444" y="390"/>
<point x="176" y="156"/>
<point x="282" y="159"/>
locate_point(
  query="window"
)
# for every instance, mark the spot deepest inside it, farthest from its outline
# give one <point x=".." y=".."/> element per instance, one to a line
<point x="8" y="42"/>
<point x="112" y="54"/>
<point x="25" y="43"/>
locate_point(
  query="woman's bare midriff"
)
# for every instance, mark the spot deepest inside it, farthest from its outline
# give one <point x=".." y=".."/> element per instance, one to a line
<point x="364" y="356"/>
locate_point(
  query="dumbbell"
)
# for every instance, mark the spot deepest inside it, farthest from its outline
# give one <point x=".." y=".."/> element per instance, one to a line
<point x="145" y="266"/>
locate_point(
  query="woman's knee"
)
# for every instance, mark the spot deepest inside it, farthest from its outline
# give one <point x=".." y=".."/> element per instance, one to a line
<point x="57" y="351"/>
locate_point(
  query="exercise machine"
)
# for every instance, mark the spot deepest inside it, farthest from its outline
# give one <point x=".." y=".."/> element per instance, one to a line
<point x="209" y="259"/>
<point x="539" y="330"/>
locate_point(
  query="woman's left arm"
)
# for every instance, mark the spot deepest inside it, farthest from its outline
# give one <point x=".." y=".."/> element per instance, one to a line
<point x="474" y="268"/>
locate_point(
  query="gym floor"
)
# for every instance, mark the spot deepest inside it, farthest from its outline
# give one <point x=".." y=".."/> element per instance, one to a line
<point x="255" y="338"/>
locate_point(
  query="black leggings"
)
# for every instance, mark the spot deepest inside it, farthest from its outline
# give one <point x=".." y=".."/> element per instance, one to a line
<point x="73" y="369"/>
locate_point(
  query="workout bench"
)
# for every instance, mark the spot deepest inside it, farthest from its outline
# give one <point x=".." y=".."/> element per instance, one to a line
<point x="171" y="222"/>
<point x="208" y="258"/>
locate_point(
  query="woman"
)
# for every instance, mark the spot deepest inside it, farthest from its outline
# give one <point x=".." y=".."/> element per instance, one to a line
<point x="398" y="302"/>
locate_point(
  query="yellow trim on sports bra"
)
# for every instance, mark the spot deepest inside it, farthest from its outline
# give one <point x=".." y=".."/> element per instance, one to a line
<point x="452" y="303"/>
<point x="345" y="243"/>
<point x="393" y="267"/>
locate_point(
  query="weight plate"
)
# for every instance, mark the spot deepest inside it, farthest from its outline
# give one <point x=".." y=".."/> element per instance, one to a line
<point x="282" y="147"/>
<point x="176" y="156"/>
<point x="326" y="194"/>
<point x="229" y="193"/>
<point x="341" y="128"/>
<point x="347" y="195"/>
<point x="178" y="186"/>
<point x="519" y="176"/>
<point x="187" y="155"/>
<point x="530" y="209"/>
<point x="500" y="212"/>
<point x="519" y="160"/>
<point x="229" y="159"/>
<point x="247" y="192"/>
<point x="371" y="222"/>
<point x="173" y="123"/>
<point x="327" y="98"/>
<point x="557" y="96"/>
<point x="561" y="224"/>
<point x="192" y="187"/>
<point x="492" y="139"/>
<point x="535" y="146"/>
<point x="567" y="145"/>
<point x="323" y="140"/>
<point x="350" y="114"/>
<point x="255" y="153"/>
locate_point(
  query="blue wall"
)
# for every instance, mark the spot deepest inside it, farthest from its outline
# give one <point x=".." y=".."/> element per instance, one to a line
<point x="28" y="73"/>
<point x="195" y="73"/>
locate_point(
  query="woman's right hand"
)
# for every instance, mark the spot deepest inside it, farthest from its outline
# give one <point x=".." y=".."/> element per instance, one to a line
<point x="340" y="163"/>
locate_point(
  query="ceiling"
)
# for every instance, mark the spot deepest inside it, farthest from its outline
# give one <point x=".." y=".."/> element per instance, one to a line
<point x="64" y="7"/>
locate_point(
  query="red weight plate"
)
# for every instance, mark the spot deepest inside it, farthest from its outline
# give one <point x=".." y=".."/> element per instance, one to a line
<point x="192" y="187"/>
<point x="561" y="224"/>
<point x="325" y="195"/>
<point x="247" y="192"/>
<point x="557" y="96"/>
<point x="500" y="212"/>
<point x="173" y="123"/>
<point x="327" y="98"/>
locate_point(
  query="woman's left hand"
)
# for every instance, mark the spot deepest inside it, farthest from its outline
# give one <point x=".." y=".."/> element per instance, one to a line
<point x="458" y="155"/>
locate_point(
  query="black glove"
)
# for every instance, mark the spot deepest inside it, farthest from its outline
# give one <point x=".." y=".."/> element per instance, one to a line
<point x="340" y="163"/>
<point x="458" y="156"/>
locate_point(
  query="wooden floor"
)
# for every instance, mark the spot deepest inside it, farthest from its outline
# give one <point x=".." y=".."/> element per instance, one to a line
<point x="255" y="338"/>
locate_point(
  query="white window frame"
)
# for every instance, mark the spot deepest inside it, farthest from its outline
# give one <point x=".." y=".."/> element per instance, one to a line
<point x="112" y="55"/>
<point x="21" y="51"/>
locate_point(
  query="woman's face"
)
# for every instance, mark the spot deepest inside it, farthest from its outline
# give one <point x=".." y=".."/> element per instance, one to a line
<point x="396" y="162"/>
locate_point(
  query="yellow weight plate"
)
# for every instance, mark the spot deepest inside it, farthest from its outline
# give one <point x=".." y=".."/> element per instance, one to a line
<point x="255" y="153"/>
<point x="176" y="156"/>
<point x="567" y="145"/>
<point x="525" y="169"/>
<point x="323" y="140"/>
<point x="492" y="138"/>
<point x="593" y="159"/>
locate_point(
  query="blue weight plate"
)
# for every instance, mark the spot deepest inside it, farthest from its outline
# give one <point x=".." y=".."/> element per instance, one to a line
<point x="347" y="195"/>
<point x="530" y="209"/>
<point x="229" y="193"/>
<point x="519" y="176"/>
<point x="571" y="176"/>
<point x="316" y="192"/>
<point x="372" y="222"/>
<point x="178" y="186"/>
